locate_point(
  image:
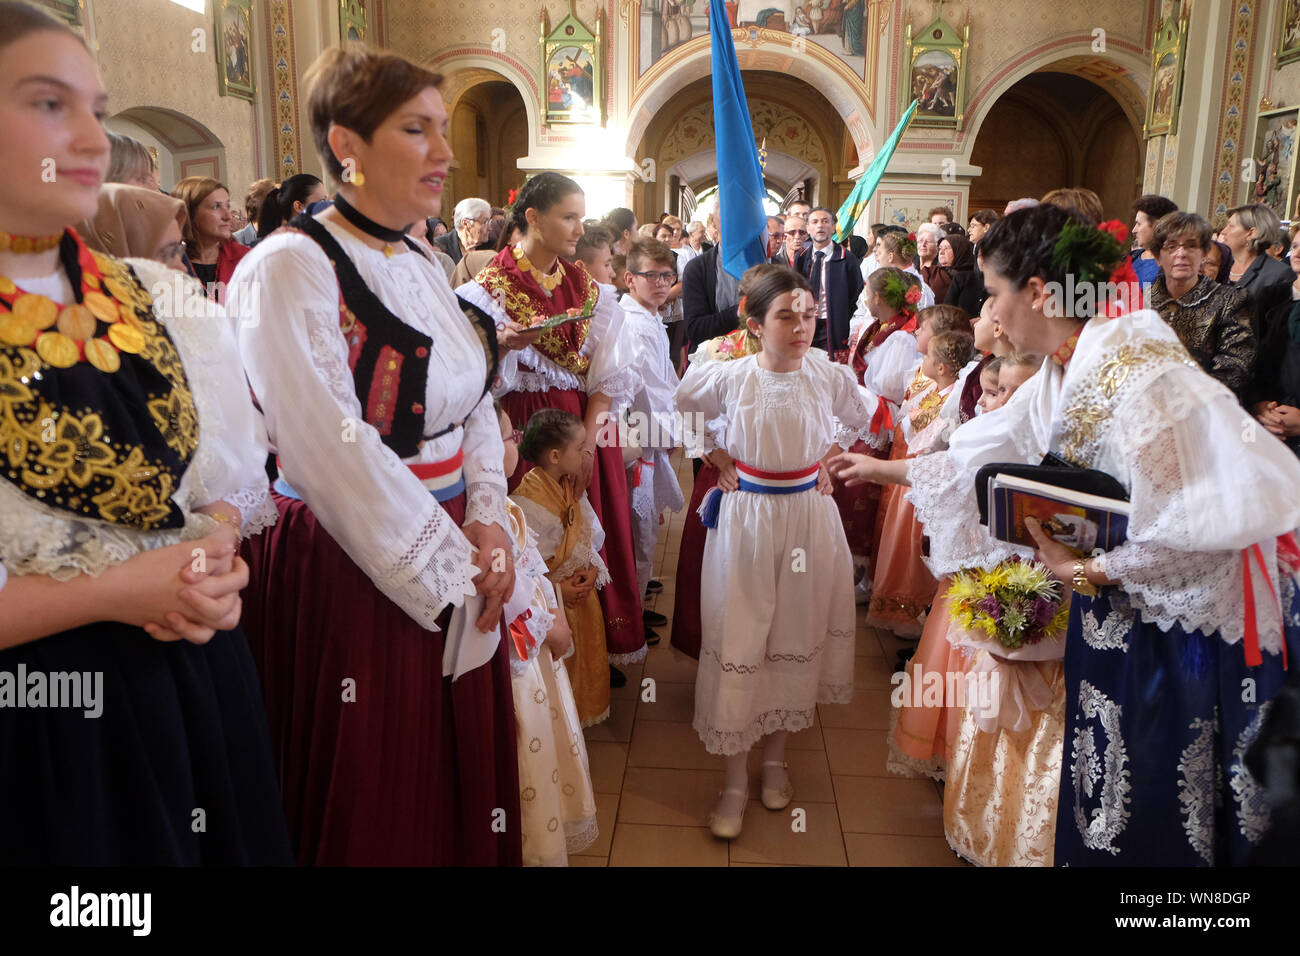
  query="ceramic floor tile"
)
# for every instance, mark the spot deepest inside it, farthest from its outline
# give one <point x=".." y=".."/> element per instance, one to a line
<point x="669" y="744"/>
<point x="860" y="753"/>
<point x="804" y="833"/>
<point x="608" y="762"/>
<point x="886" y="805"/>
<point x="869" y="710"/>
<point x="666" y="663"/>
<point x="631" y="690"/>
<point x="662" y="797"/>
<point x="872" y="671"/>
<point x="879" y="849"/>
<point x="618" y="725"/>
<point x="808" y="770"/>
<point x="673" y="701"/>
<point x="638" y="845"/>
<point x="606" y="813"/>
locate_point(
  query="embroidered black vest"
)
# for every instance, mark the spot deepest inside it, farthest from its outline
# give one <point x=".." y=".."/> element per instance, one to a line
<point x="388" y="358"/>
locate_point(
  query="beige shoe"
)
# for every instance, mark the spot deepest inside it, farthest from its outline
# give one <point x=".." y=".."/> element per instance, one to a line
<point x="728" y="827"/>
<point x="773" y="798"/>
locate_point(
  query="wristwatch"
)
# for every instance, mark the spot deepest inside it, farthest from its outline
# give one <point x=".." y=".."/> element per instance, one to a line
<point x="1081" y="584"/>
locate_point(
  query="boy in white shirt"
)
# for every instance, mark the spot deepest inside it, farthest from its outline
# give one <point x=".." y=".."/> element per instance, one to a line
<point x="653" y="426"/>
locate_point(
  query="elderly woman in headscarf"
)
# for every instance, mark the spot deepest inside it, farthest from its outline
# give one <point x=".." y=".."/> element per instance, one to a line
<point x="135" y="222"/>
<point x="966" y="283"/>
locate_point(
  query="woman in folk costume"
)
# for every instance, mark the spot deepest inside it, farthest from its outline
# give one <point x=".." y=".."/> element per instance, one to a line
<point x="891" y="296"/>
<point x="376" y="610"/>
<point x="903" y="586"/>
<point x="777" y="586"/>
<point x="709" y="445"/>
<point x="569" y="537"/>
<point x="133" y="465"/>
<point x="1165" y="628"/>
<point x="578" y="367"/>
<point x="556" y="799"/>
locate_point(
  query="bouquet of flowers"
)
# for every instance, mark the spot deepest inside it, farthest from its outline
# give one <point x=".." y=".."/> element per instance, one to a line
<point x="1017" y="603"/>
<point x="569" y="315"/>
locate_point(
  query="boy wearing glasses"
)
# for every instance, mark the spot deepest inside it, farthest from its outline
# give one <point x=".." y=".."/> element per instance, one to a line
<point x="653" y="428"/>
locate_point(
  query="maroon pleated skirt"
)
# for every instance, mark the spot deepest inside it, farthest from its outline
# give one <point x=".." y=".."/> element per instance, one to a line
<point x="619" y="600"/>
<point x="858" y="506"/>
<point x="382" y="760"/>
<point x="690" y="562"/>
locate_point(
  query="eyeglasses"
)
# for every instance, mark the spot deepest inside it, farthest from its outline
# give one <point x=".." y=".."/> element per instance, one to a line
<point x="659" y="278"/>
<point x="796" y="232"/>
<point x="1188" y="245"/>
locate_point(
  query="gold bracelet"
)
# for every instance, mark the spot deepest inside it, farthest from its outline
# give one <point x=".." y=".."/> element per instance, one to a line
<point x="1081" y="583"/>
<point x="232" y="522"/>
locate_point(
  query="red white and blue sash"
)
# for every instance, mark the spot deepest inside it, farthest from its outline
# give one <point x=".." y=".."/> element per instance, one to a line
<point x="760" y="482"/>
<point x="443" y="479"/>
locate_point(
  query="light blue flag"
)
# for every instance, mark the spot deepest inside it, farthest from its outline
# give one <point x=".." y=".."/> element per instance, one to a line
<point x="740" y="179"/>
<point x="856" y="204"/>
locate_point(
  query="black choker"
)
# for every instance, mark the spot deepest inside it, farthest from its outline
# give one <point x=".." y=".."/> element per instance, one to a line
<point x="367" y="225"/>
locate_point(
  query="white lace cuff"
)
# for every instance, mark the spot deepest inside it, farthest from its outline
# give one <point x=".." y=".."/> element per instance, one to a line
<point x="438" y="569"/>
<point x="944" y="498"/>
<point x="621" y="384"/>
<point x="485" y="502"/>
<point x="256" y="509"/>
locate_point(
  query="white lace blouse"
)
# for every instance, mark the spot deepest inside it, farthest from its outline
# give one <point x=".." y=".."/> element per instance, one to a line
<point x="286" y="300"/>
<point x="1204" y="482"/>
<point x="228" y="465"/>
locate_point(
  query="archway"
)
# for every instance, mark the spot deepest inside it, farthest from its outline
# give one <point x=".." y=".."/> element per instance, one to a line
<point x="802" y="131"/>
<point x="489" y="135"/>
<point x="1055" y="128"/>
<point x="181" y="144"/>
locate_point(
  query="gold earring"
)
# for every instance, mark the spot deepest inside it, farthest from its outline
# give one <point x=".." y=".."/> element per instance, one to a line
<point x="358" y="178"/>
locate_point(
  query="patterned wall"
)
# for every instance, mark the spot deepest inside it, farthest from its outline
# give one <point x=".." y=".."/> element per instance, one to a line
<point x="158" y="67"/>
<point x="1238" y="113"/>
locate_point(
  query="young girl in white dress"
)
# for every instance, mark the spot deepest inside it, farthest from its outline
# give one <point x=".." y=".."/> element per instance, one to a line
<point x="777" y="587"/>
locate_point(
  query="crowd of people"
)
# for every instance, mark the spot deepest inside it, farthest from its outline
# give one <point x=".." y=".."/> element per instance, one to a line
<point x="355" y="513"/>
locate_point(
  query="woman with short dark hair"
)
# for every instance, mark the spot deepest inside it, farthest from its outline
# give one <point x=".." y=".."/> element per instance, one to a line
<point x="377" y="611"/>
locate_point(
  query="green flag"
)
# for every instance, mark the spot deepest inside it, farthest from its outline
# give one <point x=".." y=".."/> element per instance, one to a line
<point x="865" y="188"/>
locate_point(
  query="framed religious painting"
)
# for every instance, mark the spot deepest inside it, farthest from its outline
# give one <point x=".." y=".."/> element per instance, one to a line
<point x="572" y="75"/>
<point x="234" y="48"/>
<point x="1167" y="57"/>
<point x="1271" y="165"/>
<point x="69" y="10"/>
<point x="1288" y="34"/>
<point x="935" y="66"/>
<point x="352" y="21"/>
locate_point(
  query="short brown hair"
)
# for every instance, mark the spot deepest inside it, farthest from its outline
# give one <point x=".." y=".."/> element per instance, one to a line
<point x="944" y="318"/>
<point x="1077" y="199"/>
<point x="645" y="251"/>
<point x="986" y="217"/>
<point x="192" y="190"/>
<point x="1022" y="359"/>
<point x="941" y="211"/>
<point x="253" y="198"/>
<point x="593" y="237"/>
<point x="1177" y="224"/>
<point x="358" y="89"/>
<point x="953" y="349"/>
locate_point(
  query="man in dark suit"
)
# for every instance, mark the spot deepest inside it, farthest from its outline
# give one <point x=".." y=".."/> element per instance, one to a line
<point x="835" y="276"/>
<point x="796" y="238"/>
<point x="469" y="228"/>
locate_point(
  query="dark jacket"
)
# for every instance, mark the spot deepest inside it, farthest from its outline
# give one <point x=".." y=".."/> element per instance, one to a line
<point x="967" y="290"/>
<point x="843" y="286"/>
<point x="450" y="244"/>
<point x="1268" y="281"/>
<point x="700" y="313"/>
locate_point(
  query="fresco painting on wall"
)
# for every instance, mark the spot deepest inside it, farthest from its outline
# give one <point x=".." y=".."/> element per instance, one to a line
<point x="1273" y="182"/>
<point x="935" y="64"/>
<point x="838" y="26"/>
<point x="234" y="51"/>
<point x="909" y="211"/>
<point x="1288" y="42"/>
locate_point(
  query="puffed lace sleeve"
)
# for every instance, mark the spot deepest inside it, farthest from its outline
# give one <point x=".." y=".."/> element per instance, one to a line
<point x="286" y="296"/>
<point x="1205" y="483"/>
<point x="700" y="393"/>
<point x="613" y="368"/>
<point x="508" y="365"/>
<point x="943" y="483"/>
<point x="230" y="463"/>
<point x="852" y="405"/>
<point x="888" y="367"/>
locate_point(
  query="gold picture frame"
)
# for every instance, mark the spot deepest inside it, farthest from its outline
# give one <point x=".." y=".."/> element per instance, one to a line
<point x="352" y="22"/>
<point x="1272" y="161"/>
<point x="234" y="33"/>
<point x="1288" y="33"/>
<point x="1167" y="56"/>
<point x="572" y="71"/>
<point x="934" y="74"/>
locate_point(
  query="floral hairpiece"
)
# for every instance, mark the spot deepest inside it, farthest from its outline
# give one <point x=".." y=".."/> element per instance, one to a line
<point x="908" y="250"/>
<point x="740" y="306"/>
<point x="901" y="294"/>
<point x="1089" y="253"/>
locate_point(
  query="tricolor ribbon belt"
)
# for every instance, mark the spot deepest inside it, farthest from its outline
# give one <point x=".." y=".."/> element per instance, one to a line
<point x="443" y="479"/>
<point x="760" y="482"/>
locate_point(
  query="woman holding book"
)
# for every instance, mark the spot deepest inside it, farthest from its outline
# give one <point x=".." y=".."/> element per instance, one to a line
<point x="1171" y="629"/>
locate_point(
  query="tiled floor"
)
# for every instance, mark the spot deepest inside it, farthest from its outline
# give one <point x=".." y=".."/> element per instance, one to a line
<point x="655" y="783"/>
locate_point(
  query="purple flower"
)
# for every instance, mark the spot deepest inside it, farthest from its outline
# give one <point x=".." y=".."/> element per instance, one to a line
<point x="1044" y="611"/>
<point x="990" y="606"/>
